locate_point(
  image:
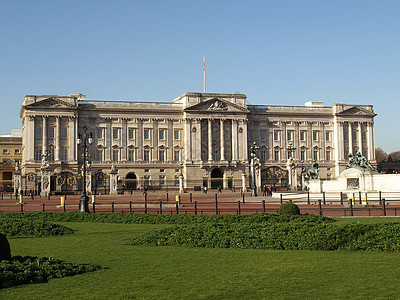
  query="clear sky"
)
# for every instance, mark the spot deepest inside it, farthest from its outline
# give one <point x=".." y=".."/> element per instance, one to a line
<point x="284" y="52"/>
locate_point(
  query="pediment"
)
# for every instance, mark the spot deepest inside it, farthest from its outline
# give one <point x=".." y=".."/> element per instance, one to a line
<point x="216" y="105"/>
<point x="356" y="110"/>
<point x="52" y="102"/>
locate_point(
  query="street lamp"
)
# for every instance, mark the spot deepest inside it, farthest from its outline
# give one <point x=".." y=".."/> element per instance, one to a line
<point x="253" y="149"/>
<point x="85" y="139"/>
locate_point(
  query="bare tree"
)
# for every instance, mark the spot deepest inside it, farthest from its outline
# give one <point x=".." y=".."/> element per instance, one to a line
<point x="380" y="155"/>
<point x="395" y="155"/>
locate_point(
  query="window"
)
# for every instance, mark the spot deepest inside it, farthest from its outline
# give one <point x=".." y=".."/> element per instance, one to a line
<point x="290" y="135"/>
<point x="38" y="153"/>
<point x="327" y="136"/>
<point x="203" y="155"/>
<point x="177" y="134"/>
<point x="177" y="155"/>
<point x="131" y="133"/>
<point x="263" y="156"/>
<point x="302" y="135"/>
<point x="115" y="133"/>
<point x="276" y="155"/>
<point x="99" y="154"/>
<point x="64" y="132"/>
<point x="51" y="154"/>
<point x="315" y="135"/>
<point x="302" y="155"/>
<point x="226" y="133"/>
<point x="17" y="151"/>
<point x="176" y="181"/>
<point x="345" y="135"/>
<point x="51" y="133"/>
<point x="276" y="135"/>
<point x="289" y="123"/>
<point x="38" y="132"/>
<point x="162" y="179"/>
<point x="6" y="151"/>
<point x="115" y="154"/>
<point x="215" y="134"/>
<point x="162" y="170"/>
<point x="146" y="156"/>
<point x="203" y="134"/>
<point x="354" y="134"/>
<point x="131" y="155"/>
<point x="100" y="180"/>
<point x="64" y="154"/>
<point x="161" y="155"/>
<point x="146" y="134"/>
<point x="161" y="134"/>
<point x="227" y="155"/>
<point x="147" y="170"/>
<point x="215" y="155"/>
<point x="364" y="136"/>
<point x="328" y="155"/>
<point x="315" y="154"/>
<point x="99" y="133"/>
<point x="161" y="121"/>
<point x="146" y="120"/>
<point x="262" y="135"/>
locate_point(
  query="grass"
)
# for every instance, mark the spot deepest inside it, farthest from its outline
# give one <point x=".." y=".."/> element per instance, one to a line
<point x="137" y="272"/>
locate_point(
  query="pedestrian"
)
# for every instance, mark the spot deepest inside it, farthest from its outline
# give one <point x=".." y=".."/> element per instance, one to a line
<point x="234" y="190"/>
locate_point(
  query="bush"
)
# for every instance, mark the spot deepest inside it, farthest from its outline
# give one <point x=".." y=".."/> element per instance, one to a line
<point x="31" y="227"/>
<point x="5" y="251"/>
<point x="289" y="208"/>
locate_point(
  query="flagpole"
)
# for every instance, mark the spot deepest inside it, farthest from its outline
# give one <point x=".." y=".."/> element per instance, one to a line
<point x="204" y="73"/>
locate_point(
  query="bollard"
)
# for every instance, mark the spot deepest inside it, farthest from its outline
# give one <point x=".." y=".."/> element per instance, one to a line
<point x="94" y="207"/>
<point x="263" y="205"/>
<point x="1" y="196"/>
<point x="380" y="198"/>
<point x="324" y="198"/>
<point x="244" y="198"/>
<point x="190" y="197"/>
<point x="22" y="207"/>
<point x="320" y="207"/>
<point x="112" y="207"/>
<point x="62" y="200"/>
<point x="341" y="198"/>
<point x="216" y="205"/>
<point x="48" y="196"/>
<point x="308" y="198"/>
<point x="178" y="199"/>
<point x="238" y="207"/>
<point x="177" y="208"/>
<point x="130" y="207"/>
<point x="359" y="197"/>
<point x="160" y="207"/>
<point x="366" y="198"/>
<point x="216" y="197"/>
<point x="384" y="206"/>
<point x="93" y="199"/>
<point x="21" y="199"/>
<point x="43" y="210"/>
<point x="167" y="197"/>
<point x="195" y="207"/>
<point x="351" y="206"/>
<point x="281" y="196"/>
<point x="64" y="207"/>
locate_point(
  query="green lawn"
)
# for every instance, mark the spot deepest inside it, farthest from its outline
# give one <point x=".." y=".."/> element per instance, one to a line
<point x="137" y="272"/>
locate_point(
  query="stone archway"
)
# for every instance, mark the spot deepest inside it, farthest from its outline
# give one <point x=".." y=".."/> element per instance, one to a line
<point x="216" y="178"/>
<point x="131" y="181"/>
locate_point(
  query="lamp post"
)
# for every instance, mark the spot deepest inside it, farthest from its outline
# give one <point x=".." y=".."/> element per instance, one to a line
<point x="85" y="139"/>
<point x="253" y="149"/>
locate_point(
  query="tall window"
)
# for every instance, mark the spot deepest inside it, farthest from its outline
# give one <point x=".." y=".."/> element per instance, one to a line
<point x="315" y="135"/>
<point x="115" y="133"/>
<point x="99" y="154"/>
<point x="203" y="155"/>
<point x="177" y="155"/>
<point x="302" y="155"/>
<point x="146" y="134"/>
<point x="263" y="156"/>
<point x="177" y="134"/>
<point x="64" y="132"/>
<point x="38" y="153"/>
<point x="51" y="154"/>
<point x="328" y="135"/>
<point x="115" y="155"/>
<point x="131" y="133"/>
<point x="161" y="134"/>
<point x="131" y="155"/>
<point x="99" y="133"/>
<point x="328" y="155"/>
<point x="38" y="132"/>
<point x="262" y="135"/>
<point x="64" y="154"/>
<point x="290" y="135"/>
<point x="51" y="133"/>
<point x="161" y="155"/>
<point x="315" y="154"/>
<point x="226" y="133"/>
<point x="203" y="134"/>
<point x="276" y="135"/>
<point x="302" y="135"/>
<point x="276" y="155"/>
<point x="146" y="155"/>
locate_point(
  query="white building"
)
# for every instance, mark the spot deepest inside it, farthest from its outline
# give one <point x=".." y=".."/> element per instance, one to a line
<point x="204" y="136"/>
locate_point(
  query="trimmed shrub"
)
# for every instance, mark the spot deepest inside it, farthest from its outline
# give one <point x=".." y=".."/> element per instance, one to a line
<point x="5" y="251"/>
<point x="31" y="227"/>
<point x="289" y="208"/>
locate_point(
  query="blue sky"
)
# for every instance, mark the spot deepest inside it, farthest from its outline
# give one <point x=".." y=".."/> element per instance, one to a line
<point x="276" y="52"/>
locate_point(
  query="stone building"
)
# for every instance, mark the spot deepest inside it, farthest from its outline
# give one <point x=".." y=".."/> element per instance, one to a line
<point x="202" y="139"/>
<point x="10" y="154"/>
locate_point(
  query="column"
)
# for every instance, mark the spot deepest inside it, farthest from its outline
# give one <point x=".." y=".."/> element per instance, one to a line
<point x="124" y="139"/>
<point x="58" y="139"/>
<point x="170" y="140"/>
<point x="243" y="156"/>
<point x="44" y="134"/>
<point x="29" y="139"/>
<point x="209" y="140"/>
<point x="71" y="139"/>
<point x="139" y="138"/>
<point x="370" y="142"/>
<point x="222" y="140"/>
<point x="155" y="140"/>
<point x="322" y="141"/>
<point x="234" y="140"/>
<point x="196" y="140"/>
<point x="350" y="133"/>
<point x="309" y="155"/>
<point x="360" y="137"/>
<point x="284" y="141"/>
<point x="188" y="140"/>
<point x="108" y="140"/>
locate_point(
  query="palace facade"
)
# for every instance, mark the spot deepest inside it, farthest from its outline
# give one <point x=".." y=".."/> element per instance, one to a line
<point x="202" y="139"/>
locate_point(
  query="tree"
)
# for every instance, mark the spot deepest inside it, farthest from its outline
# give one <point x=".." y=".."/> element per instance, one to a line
<point x="395" y="155"/>
<point x="380" y="155"/>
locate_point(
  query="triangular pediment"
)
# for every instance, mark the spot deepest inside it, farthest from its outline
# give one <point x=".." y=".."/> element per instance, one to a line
<point x="52" y="102"/>
<point x="356" y="110"/>
<point x="216" y="105"/>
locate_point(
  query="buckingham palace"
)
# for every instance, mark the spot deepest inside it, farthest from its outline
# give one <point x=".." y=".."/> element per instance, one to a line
<point x="196" y="140"/>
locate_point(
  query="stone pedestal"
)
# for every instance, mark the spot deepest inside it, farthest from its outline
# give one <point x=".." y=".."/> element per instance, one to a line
<point x="45" y="185"/>
<point x="181" y="190"/>
<point x="17" y="181"/>
<point x="113" y="181"/>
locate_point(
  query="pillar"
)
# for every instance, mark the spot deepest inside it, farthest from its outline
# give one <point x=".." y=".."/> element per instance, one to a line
<point x="209" y="140"/>
<point x="58" y="139"/>
<point x="234" y="140"/>
<point x="350" y="134"/>
<point x="222" y="140"/>
<point x="44" y="134"/>
<point x="360" y="137"/>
